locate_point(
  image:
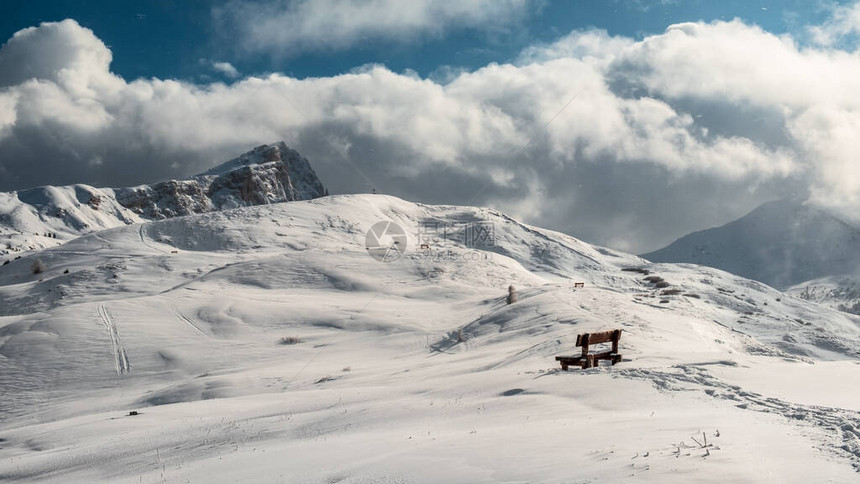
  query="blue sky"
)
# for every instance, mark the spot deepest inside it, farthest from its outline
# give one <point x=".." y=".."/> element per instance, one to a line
<point x="624" y="123"/>
<point x="167" y="39"/>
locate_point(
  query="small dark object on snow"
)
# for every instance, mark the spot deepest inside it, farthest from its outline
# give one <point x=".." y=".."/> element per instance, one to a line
<point x="133" y="413"/>
<point x="512" y="295"/>
<point x="578" y="284"/>
<point x="637" y="269"/>
<point x="66" y="271"/>
<point x="591" y="360"/>
<point x="512" y="392"/>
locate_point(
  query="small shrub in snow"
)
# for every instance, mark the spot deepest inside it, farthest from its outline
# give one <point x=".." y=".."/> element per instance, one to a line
<point x="38" y="266"/>
<point x="290" y="340"/>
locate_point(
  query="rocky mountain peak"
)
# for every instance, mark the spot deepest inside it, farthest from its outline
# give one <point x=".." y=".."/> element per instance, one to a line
<point x="267" y="174"/>
<point x="44" y="216"/>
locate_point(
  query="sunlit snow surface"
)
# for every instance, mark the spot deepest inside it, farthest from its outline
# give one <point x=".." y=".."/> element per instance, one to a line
<point x="265" y="344"/>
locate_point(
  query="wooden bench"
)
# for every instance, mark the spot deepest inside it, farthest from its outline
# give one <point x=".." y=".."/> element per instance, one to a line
<point x="578" y="284"/>
<point x="586" y="360"/>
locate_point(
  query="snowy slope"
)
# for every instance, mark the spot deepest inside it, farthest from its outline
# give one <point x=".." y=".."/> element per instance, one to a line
<point x="838" y="292"/>
<point x="266" y="344"/>
<point x="781" y="243"/>
<point x="48" y="216"/>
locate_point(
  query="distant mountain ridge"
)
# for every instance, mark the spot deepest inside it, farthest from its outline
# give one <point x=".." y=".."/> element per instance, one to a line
<point x="46" y="216"/>
<point x="781" y="243"/>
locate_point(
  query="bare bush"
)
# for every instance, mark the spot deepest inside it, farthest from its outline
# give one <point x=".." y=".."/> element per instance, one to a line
<point x="38" y="266"/>
<point x="290" y="340"/>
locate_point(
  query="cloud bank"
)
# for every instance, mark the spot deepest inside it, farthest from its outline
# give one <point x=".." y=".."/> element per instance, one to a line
<point x="617" y="141"/>
<point x="286" y="27"/>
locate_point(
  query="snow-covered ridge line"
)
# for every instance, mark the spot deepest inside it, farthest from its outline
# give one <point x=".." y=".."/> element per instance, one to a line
<point x="798" y="247"/>
<point x="781" y="243"/>
<point x="47" y="216"/>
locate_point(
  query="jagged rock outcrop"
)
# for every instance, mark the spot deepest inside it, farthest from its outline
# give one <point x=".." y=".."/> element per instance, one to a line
<point x="267" y="174"/>
<point x="45" y="216"/>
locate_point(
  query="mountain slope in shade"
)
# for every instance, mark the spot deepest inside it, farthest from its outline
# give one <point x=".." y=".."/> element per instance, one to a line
<point x="781" y="243"/>
<point x="48" y="216"/>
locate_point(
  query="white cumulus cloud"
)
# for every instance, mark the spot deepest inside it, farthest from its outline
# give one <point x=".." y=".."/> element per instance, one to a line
<point x="287" y="27"/>
<point x="844" y="21"/>
<point x="227" y="69"/>
<point x="621" y="141"/>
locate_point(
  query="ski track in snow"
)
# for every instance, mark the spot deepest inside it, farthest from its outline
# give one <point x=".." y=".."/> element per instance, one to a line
<point x="177" y="313"/>
<point x="842" y="424"/>
<point x="144" y="241"/>
<point x="121" y="362"/>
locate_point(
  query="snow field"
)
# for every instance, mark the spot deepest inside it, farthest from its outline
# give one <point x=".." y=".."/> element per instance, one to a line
<point x="409" y="371"/>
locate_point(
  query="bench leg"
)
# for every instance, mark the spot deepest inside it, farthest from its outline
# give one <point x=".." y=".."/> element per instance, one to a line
<point x="564" y="367"/>
<point x="588" y="362"/>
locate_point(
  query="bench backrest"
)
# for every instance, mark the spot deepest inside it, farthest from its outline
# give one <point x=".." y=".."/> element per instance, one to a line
<point x="586" y="339"/>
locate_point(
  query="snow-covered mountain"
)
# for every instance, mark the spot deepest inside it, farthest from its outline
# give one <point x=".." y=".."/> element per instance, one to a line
<point x="48" y="216"/>
<point x="781" y="243"/>
<point x="268" y="344"/>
